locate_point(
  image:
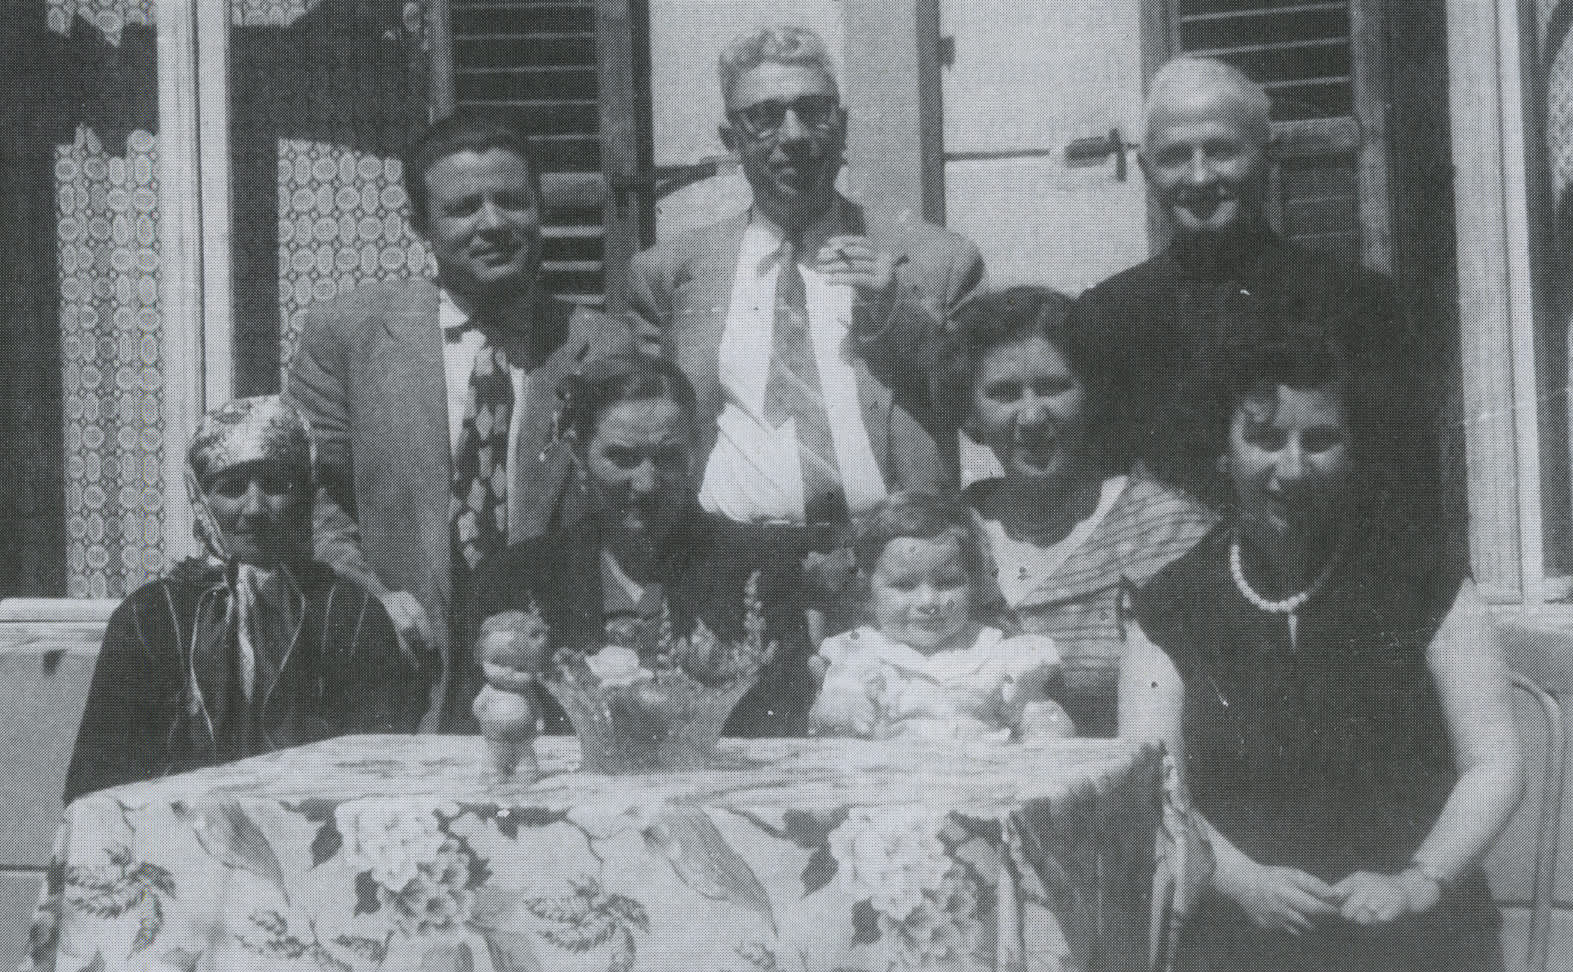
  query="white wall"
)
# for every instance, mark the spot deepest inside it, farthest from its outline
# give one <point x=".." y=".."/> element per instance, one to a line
<point x="1034" y="77"/>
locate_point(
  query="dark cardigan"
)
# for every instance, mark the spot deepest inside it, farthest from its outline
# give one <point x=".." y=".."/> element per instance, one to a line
<point x="707" y="564"/>
<point x="343" y="673"/>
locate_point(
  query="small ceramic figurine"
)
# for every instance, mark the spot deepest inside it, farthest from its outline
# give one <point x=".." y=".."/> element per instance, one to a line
<point x="513" y="651"/>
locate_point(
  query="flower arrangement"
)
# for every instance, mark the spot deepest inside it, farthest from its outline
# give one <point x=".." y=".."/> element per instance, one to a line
<point x="656" y="700"/>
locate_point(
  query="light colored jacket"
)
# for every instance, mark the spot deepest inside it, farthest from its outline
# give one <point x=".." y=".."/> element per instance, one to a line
<point x="369" y="376"/>
<point x="682" y="289"/>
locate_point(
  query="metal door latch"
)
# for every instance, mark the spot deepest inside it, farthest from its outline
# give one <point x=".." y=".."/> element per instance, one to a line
<point x="1093" y="149"/>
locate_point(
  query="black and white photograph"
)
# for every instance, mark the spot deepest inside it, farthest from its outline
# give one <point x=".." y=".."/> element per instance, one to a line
<point x="731" y="486"/>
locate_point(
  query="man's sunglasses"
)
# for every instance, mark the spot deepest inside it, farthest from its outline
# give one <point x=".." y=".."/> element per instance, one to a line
<point x="765" y="118"/>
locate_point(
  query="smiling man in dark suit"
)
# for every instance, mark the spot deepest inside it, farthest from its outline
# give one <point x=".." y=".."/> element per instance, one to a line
<point x="806" y="326"/>
<point x="1165" y="323"/>
<point x="432" y="403"/>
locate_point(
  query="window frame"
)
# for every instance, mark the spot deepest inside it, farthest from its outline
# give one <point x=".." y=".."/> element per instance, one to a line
<point x="195" y="289"/>
<point x="1494" y="190"/>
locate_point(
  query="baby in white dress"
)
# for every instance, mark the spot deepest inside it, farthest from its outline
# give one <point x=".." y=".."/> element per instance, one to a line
<point x="924" y="667"/>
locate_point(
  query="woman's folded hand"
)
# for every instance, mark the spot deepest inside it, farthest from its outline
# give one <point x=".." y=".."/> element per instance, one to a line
<point x="1280" y="898"/>
<point x="1375" y="899"/>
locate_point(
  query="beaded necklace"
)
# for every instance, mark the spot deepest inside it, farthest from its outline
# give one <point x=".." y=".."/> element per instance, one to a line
<point x="1289" y="606"/>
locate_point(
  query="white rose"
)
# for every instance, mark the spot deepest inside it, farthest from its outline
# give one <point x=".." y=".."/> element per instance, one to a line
<point x="389" y="838"/>
<point x="614" y="665"/>
<point x="890" y="858"/>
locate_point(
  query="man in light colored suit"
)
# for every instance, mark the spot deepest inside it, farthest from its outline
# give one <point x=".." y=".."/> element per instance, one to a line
<point x="432" y="403"/>
<point x="806" y="327"/>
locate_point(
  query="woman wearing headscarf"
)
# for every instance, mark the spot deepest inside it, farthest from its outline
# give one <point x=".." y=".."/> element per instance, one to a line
<point x="251" y="646"/>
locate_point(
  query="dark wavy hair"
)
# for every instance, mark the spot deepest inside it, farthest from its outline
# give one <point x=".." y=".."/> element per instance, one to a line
<point x="1296" y="341"/>
<point x="462" y="131"/>
<point x="585" y="395"/>
<point x="1011" y="316"/>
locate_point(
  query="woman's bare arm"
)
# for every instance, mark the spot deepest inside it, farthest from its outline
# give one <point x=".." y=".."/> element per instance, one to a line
<point x="1151" y="704"/>
<point x="1472" y="681"/>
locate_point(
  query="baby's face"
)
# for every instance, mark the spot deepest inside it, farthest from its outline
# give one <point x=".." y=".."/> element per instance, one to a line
<point x="919" y="594"/>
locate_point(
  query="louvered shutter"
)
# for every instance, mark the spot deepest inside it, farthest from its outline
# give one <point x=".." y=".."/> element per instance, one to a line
<point x="564" y="71"/>
<point x="1329" y="180"/>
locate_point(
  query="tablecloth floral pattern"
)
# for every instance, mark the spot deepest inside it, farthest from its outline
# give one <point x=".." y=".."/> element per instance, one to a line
<point x="813" y="856"/>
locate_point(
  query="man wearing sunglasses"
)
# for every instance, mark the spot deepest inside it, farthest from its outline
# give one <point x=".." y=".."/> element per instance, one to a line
<point x="805" y="325"/>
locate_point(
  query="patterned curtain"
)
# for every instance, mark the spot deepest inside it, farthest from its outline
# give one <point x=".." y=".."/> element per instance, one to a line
<point x="111" y="352"/>
<point x="341" y="222"/>
<point x="323" y="95"/>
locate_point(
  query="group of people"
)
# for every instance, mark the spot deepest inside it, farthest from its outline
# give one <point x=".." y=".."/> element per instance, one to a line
<point x="1213" y="524"/>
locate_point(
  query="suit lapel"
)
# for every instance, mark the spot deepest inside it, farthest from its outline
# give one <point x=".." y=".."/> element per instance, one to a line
<point x="412" y="362"/>
<point x="700" y="309"/>
<point x="541" y="466"/>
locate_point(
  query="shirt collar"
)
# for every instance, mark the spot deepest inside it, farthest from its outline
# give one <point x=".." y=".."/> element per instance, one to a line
<point x="526" y="333"/>
<point x="453" y="318"/>
<point x="939" y="666"/>
<point x="769" y="236"/>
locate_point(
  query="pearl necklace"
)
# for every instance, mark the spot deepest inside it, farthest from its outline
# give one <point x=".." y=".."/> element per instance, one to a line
<point x="1289" y="605"/>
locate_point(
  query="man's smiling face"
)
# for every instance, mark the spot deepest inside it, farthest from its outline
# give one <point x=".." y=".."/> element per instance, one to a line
<point x="791" y="165"/>
<point x="484" y="223"/>
<point x="1206" y="163"/>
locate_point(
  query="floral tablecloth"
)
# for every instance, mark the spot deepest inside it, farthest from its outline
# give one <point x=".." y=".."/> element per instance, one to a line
<point x="399" y="852"/>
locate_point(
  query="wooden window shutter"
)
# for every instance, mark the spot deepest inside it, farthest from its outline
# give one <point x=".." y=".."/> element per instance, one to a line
<point x="1323" y="65"/>
<point x="573" y="74"/>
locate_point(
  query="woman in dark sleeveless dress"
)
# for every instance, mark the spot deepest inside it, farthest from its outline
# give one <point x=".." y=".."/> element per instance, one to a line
<point x="1309" y="664"/>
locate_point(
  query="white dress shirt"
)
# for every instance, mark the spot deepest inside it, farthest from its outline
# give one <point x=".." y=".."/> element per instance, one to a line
<point x="458" y="361"/>
<point x="753" y="474"/>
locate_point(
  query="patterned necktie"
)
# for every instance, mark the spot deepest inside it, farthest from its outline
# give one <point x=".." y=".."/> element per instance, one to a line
<point x="793" y="390"/>
<point x="478" y="506"/>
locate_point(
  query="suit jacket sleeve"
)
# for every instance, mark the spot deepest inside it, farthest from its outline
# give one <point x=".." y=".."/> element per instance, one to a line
<point x="398" y="686"/>
<point x="319" y="386"/>
<point x="901" y="340"/>
<point x="650" y="286"/>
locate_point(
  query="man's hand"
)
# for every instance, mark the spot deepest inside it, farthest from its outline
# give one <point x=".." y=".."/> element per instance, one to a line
<point x="1376" y="899"/>
<point x="1281" y="898"/>
<point x="854" y="261"/>
<point x="409" y="622"/>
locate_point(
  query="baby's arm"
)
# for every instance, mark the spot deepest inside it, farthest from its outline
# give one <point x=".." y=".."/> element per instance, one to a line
<point x="1032" y="662"/>
<point x="847" y="703"/>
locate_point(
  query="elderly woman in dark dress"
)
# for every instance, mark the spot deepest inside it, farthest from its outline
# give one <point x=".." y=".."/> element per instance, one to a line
<point x="253" y="646"/>
<point x="1066" y="532"/>
<point x="648" y="546"/>
<point x="1308" y="664"/>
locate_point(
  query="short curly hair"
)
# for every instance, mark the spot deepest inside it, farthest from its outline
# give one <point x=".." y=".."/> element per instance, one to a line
<point x="917" y="515"/>
<point x="1294" y="340"/>
<point x="778" y="44"/>
<point x="1011" y="316"/>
